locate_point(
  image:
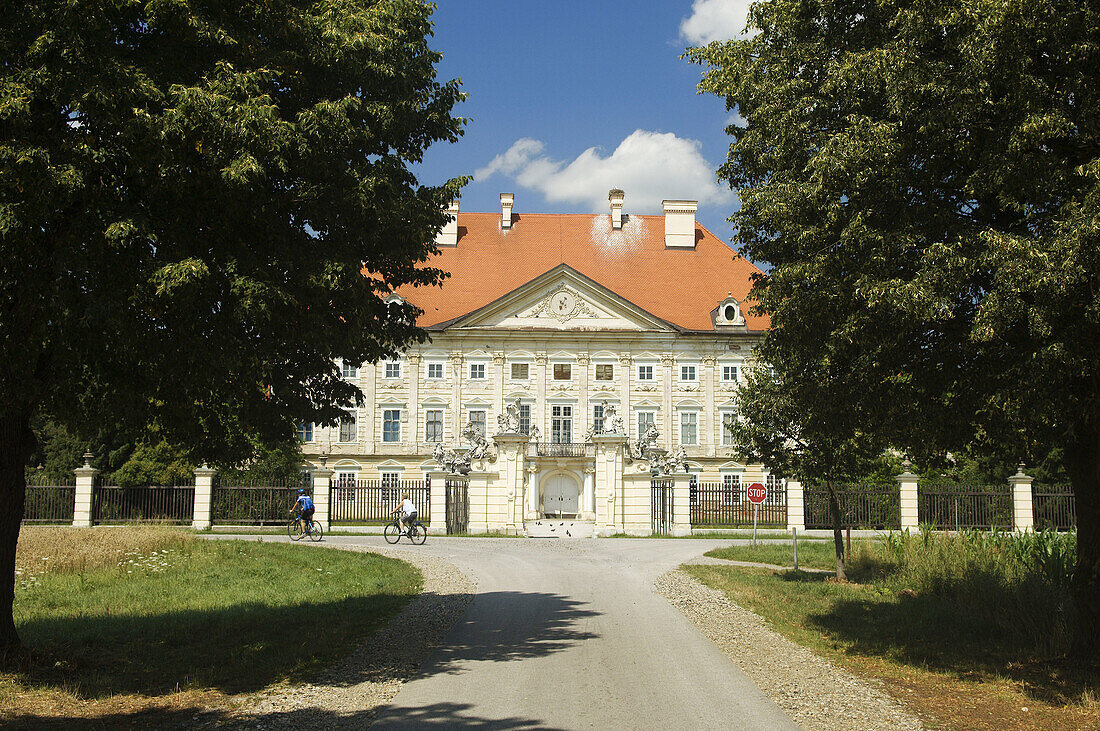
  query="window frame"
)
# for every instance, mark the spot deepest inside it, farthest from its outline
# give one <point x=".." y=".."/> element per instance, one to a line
<point x="396" y="422"/>
<point x="650" y="372"/>
<point x="561" y="423"/>
<point x="736" y="372"/>
<point x="348" y="421"/>
<point x="391" y="369"/>
<point x="348" y="372"/>
<point x="428" y="421"/>
<point x="305" y="431"/>
<point x="731" y="489"/>
<point x="481" y="368"/>
<point x="484" y="420"/>
<point x="512" y="371"/>
<point x="611" y="374"/>
<point x="567" y="368"/>
<point x="694" y="414"/>
<point x="694" y="373"/>
<point x="638" y="418"/>
<point x="435" y="364"/>
<point x="726" y="436"/>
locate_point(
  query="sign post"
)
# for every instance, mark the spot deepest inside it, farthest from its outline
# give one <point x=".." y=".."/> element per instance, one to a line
<point x="757" y="493"/>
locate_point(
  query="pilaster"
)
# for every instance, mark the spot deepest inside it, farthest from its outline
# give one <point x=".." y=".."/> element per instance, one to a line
<point x="412" y="378"/>
<point x="908" y="486"/>
<point x="85" y="483"/>
<point x="511" y="450"/>
<point x="322" y="496"/>
<point x="608" y="480"/>
<point x="456" y="362"/>
<point x="204" y="493"/>
<point x="714" y="416"/>
<point x="1023" y="511"/>
<point x="668" y="362"/>
<point x="796" y="506"/>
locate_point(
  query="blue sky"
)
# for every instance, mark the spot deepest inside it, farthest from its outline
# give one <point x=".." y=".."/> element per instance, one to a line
<point x="568" y="99"/>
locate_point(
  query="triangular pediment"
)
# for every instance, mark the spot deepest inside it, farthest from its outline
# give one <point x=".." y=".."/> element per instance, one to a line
<point x="561" y="299"/>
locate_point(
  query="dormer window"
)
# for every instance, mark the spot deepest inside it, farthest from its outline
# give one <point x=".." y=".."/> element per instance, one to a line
<point x="729" y="313"/>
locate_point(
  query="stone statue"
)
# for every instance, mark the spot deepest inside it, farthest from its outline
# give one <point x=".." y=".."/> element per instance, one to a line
<point x="612" y="422"/>
<point x="534" y="432"/>
<point x="479" y="445"/>
<point x="508" y="422"/>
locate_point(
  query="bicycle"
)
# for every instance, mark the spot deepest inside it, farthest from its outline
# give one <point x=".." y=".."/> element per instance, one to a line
<point x="313" y="530"/>
<point x="415" y="530"/>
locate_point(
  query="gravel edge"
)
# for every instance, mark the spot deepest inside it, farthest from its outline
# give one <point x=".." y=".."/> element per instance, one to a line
<point x="349" y="693"/>
<point x="815" y="693"/>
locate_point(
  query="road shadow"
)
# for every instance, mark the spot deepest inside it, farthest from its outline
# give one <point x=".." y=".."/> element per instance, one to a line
<point x="434" y="715"/>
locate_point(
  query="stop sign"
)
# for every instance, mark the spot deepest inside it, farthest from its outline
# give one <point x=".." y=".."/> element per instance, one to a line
<point x="757" y="493"/>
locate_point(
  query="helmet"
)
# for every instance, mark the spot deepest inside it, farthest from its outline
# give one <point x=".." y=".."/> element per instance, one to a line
<point x="301" y="491"/>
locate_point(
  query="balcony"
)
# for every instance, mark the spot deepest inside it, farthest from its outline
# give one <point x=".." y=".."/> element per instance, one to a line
<point x="564" y="449"/>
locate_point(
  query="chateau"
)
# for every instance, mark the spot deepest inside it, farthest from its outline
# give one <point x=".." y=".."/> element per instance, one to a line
<point x="572" y="356"/>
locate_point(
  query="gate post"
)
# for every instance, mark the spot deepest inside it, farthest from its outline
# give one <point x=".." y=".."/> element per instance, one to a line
<point x="681" y="504"/>
<point x="437" y="499"/>
<point x="85" y="479"/>
<point x="322" y="492"/>
<point x="796" y="506"/>
<point x="1023" y="512"/>
<point x="907" y="485"/>
<point x="204" y="493"/>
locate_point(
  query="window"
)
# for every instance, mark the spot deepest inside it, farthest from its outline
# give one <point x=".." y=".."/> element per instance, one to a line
<point x="776" y="490"/>
<point x="525" y="418"/>
<point x="477" y="371"/>
<point x="693" y="488"/>
<point x="347" y="428"/>
<point x="305" y="431"/>
<point x="433" y="425"/>
<point x="477" y="418"/>
<point x="605" y="372"/>
<point x="689" y="428"/>
<point x="561" y="424"/>
<point x="391" y="425"/>
<point x="729" y="418"/>
<point x="645" y="373"/>
<point x="393" y="369"/>
<point x="687" y="373"/>
<point x="345" y="486"/>
<point x="391" y="487"/>
<point x="347" y="370"/>
<point x="435" y="370"/>
<point x="646" y="419"/>
<point x="731" y="489"/>
<point x="597" y="418"/>
<point x="563" y="372"/>
<point x="519" y="371"/>
<point x="729" y="373"/>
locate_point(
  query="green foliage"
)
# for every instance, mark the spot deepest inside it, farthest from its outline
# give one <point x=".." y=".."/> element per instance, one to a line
<point x="190" y="196"/>
<point x="153" y="464"/>
<point x="57" y="453"/>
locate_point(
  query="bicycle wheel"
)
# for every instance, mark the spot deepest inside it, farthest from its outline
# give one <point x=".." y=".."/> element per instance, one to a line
<point x="315" y="532"/>
<point x="392" y="533"/>
<point x="418" y="534"/>
<point x="294" y="530"/>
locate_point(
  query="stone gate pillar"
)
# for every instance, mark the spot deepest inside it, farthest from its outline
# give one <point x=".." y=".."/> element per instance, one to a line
<point x="610" y="450"/>
<point x="204" y="495"/>
<point x="511" y="450"/>
<point x="85" y="480"/>
<point x="681" y="504"/>
<point x="322" y="497"/>
<point x="437" y="498"/>
<point x="796" y="506"/>
<point x="1023" y="511"/>
<point x="907" y="485"/>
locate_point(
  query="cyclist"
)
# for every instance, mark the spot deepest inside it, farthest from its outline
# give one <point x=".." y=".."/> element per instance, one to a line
<point x="305" y="507"/>
<point x="406" y="514"/>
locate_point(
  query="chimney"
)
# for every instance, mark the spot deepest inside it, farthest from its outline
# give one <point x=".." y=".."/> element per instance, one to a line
<point x="449" y="235"/>
<point x="506" y="209"/>
<point x="616" y="197"/>
<point x="680" y="224"/>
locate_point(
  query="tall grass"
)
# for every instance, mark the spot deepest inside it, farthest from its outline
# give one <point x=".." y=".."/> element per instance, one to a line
<point x="1009" y="584"/>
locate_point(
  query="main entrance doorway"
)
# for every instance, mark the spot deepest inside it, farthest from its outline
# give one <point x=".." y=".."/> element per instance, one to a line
<point x="561" y="495"/>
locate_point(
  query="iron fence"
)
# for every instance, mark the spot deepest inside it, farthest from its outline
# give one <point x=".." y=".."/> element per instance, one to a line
<point x="727" y="505"/>
<point x="661" y="508"/>
<point x="254" y="502"/>
<point x="951" y="506"/>
<point x="372" y="501"/>
<point x="562" y="449"/>
<point x="49" y="500"/>
<point x="1054" y="506"/>
<point x="874" y="506"/>
<point x="153" y="503"/>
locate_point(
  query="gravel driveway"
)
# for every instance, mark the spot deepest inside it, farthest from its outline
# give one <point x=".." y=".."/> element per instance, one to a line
<point x="574" y="634"/>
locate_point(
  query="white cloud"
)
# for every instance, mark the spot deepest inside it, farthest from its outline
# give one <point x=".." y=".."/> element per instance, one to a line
<point x="716" y="20"/>
<point x="648" y="166"/>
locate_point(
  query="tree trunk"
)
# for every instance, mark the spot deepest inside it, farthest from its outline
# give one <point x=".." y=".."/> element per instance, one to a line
<point x="838" y="534"/>
<point x="16" y="445"/>
<point x="1082" y="461"/>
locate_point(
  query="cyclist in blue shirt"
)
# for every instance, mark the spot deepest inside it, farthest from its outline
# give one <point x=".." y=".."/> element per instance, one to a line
<point x="306" y="507"/>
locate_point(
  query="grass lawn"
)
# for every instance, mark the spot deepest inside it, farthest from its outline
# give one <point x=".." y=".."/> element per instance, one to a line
<point x="130" y="619"/>
<point x="969" y="641"/>
<point x="812" y="554"/>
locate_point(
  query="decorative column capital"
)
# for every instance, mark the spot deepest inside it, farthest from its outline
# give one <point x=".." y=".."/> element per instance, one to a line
<point x="541" y="358"/>
<point x="625" y="358"/>
<point x="582" y="359"/>
<point x="708" y="360"/>
<point x="498" y="358"/>
<point x="456" y="356"/>
<point x="413" y="358"/>
<point x="668" y="360"/>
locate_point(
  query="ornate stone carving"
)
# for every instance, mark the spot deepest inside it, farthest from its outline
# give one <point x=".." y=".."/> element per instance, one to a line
<point x="645" y="388"/>
<point x="508" y="422"/>
<point x="541" y="359"/>
<point x="582" y="359"/>
<point x="688" y="387"/>
<point x="562" y="304"/>
<point x="668" y="360"/>
<point x="413" y="358"/>
<point x="708" y="360"/>
<point x="625" y="358"/>
<point x="498" y="358"/>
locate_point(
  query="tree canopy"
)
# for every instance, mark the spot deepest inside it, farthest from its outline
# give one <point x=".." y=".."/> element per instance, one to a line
<point x="922" y="177"/>
<point x="202" y="207"/>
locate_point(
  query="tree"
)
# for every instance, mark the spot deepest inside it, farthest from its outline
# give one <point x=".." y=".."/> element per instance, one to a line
<point x="778" y="428"/>
<point x="202" y="207"/>
<point x="923" y="177"/>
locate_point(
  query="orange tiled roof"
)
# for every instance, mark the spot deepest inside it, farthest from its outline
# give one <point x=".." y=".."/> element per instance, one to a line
<point x="679" y="286"/>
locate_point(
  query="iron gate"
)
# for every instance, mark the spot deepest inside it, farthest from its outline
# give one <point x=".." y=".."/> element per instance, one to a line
<point x="458" y="503"/>
<point x="661" y="507"/>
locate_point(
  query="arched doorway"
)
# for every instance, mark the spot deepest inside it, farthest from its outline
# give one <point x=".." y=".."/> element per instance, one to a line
<point x="561" y="494"/>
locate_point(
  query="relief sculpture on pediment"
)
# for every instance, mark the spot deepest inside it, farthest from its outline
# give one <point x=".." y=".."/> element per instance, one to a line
<point x="563" y="304"/>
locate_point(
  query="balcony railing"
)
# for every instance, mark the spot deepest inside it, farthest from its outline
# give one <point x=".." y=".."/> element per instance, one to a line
<point x="563" y="449"/>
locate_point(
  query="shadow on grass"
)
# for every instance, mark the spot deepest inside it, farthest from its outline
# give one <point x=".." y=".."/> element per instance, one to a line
<point x="435" y="715"/>
<point x="245" y="648"/>
<point x="946" y="633"/>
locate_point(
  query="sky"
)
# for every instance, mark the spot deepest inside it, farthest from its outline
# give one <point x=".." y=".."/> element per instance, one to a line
<point x="568" y="99"/>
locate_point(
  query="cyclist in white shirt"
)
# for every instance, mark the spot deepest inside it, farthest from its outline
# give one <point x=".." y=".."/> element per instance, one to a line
<point x="407" y="512"/>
